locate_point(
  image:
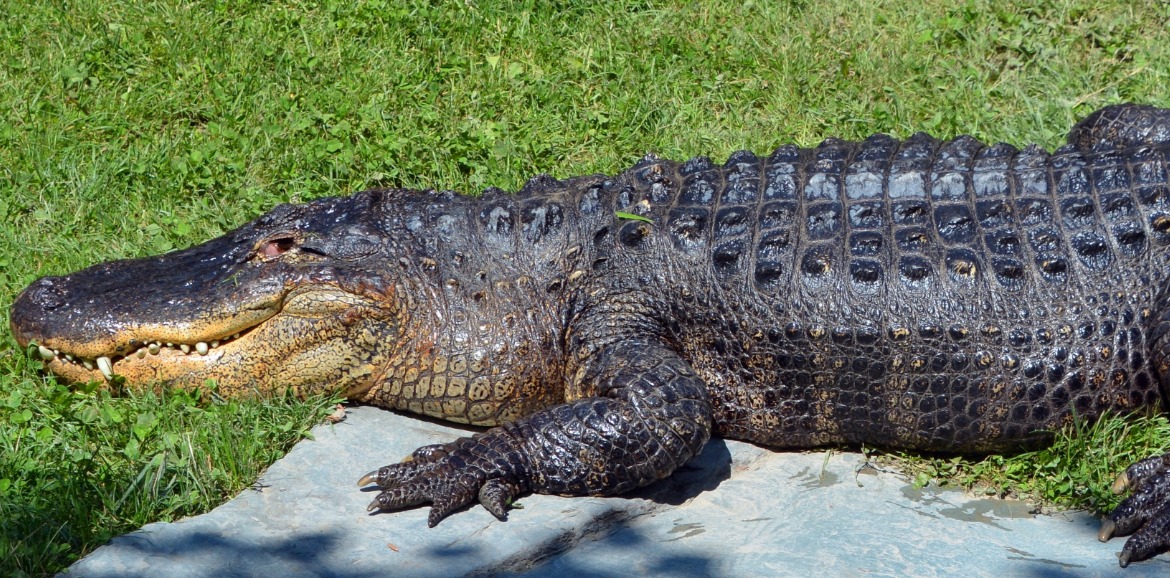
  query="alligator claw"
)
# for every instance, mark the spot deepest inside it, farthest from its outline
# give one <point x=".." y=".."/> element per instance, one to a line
<point x="1120" y="484"/>
<point x="1145" y="515"/>
<point x="368" y="479"/>
<point x="375" y="505"/>
<point x="1108" y="528"/>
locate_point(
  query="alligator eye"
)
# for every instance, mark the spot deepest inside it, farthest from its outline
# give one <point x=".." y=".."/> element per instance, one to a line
<point x="276" y="247"/>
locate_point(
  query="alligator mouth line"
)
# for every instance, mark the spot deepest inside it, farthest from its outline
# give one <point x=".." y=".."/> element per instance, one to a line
<point x="138" y="349"/>
<point x="171" y="352"/>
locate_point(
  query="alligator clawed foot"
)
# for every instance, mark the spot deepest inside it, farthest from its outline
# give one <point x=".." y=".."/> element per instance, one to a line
<point x="448" y="477"/>
<point x="1145" y="515"/>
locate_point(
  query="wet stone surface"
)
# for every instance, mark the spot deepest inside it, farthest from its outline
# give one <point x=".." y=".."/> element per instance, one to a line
<point x="736" y="510"/>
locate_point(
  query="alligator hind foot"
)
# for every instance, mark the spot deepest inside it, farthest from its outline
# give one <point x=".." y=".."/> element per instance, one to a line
<point x="1145" y="513"/>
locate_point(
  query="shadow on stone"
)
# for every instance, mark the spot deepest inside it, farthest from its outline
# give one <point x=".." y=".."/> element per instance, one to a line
<point x="703" y="473"/>
<point x="612" y="533"/>
<point x="297" y="554"/>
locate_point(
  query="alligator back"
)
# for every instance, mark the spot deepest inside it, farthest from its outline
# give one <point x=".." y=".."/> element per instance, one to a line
<point x="939" y="295"/>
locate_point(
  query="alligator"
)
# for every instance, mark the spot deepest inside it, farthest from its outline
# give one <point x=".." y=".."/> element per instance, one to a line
<point x="946" y="296"/>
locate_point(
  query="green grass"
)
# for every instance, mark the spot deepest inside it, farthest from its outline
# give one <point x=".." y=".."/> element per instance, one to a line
<point x="128" y="128"/>
<point x="1076" y="471"/>
<point x="80" y="467"/>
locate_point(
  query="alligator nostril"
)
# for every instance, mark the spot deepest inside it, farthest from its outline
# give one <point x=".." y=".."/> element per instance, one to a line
<point x="45" y="295"/>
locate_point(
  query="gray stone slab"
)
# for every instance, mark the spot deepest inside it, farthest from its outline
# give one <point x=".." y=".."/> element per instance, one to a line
<point x="736" y="510"/>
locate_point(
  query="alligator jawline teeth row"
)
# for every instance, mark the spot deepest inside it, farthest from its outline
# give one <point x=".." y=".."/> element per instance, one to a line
<point x="105" y="364"/>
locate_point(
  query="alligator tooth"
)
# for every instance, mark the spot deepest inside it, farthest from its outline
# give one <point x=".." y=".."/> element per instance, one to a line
<point x="214" y="344"/>
<point x="186" y="348"/>
<point x="87" y="363"/>
<point x="141" y="353"/>
<point x="235" y="336"/>
<point x="169" y="344"/>
<point x="46" y="353"/>
<point x="201" y="347"/>
<point x="68" y="358"/>
<point x="154" y="348"/>
<point x="107" y="368"/>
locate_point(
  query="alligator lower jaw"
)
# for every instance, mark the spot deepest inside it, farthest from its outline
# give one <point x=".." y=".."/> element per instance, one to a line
<point x="141" y="356"/>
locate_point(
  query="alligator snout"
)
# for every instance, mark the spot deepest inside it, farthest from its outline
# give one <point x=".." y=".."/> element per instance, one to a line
<point x="33" y="305"/>
<point x="43" y="294"/>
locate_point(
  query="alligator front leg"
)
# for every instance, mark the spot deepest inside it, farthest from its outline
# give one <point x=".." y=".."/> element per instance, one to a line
<point x="649" y="415"/>
<point x="1145" y="514"/>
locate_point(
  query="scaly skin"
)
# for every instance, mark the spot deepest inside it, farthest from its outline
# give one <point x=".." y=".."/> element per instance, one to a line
<point x="945" y="296"/>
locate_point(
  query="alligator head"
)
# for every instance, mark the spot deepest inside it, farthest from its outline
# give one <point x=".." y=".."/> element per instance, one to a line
<point x="297" y="298"/>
